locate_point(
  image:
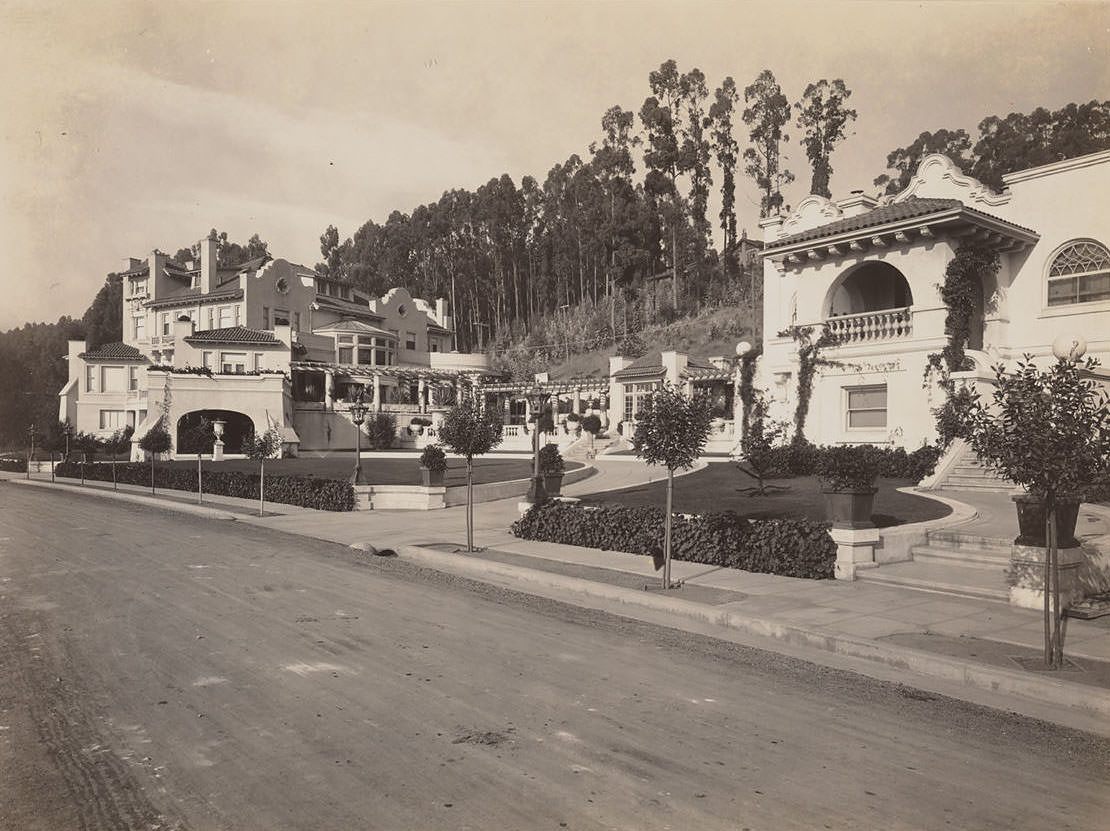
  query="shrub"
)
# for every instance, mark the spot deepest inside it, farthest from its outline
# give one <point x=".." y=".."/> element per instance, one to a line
<point x="420" y="421"/>
<point x="848" y="467"/>
<point x="381" y="430"/>
<point x="591" y="424"/>
<point x="433" y="458"/>
<point x="14" y="465"/>
<point x="551" y="460"/>
<point x="787" y="547"/>
<point x="304" y="491"/>
<point x="573" y="416"/>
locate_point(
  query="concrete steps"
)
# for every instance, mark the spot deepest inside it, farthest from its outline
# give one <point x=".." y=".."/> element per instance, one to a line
<point x="951" y="563"/>
<point x="969" y="474"/>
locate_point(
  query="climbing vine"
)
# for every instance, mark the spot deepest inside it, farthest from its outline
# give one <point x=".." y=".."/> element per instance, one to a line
<point x="747" y="389"/>
<point x="809" y="358"/>
<point x="964" y="277"/>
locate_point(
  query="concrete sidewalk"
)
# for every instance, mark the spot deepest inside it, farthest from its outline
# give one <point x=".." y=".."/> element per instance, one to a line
<point x="962" y="647"/>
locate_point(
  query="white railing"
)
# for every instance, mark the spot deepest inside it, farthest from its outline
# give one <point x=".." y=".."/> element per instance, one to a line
<point x="867" y="327"/>
<point x="512" y="431"/>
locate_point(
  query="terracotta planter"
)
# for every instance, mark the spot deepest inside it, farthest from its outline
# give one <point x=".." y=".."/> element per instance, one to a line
<point x="553" y="483"/>
<point x="431" y="478"/>
<point x="1031" y="519"/>
<point x="850" y="508"/>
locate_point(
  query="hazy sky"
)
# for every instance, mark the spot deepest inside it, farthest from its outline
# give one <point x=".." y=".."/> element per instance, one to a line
<point x="129" y="126"/>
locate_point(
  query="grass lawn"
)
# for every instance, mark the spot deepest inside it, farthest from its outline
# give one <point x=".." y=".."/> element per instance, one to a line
<point x="376" y="470"/>
<point x="717" y="487"/>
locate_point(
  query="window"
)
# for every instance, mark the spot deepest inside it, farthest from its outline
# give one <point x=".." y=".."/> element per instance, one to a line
<point x="90" y="379"/>
<point x="211" y="317"/>
<point x="112" y="419"/>
<point x="265" y="317"/>
<point x="227" y="316"/>
<point x="281" y="317"/>
<point x="113" y="379"/>
<point x="866" y="407"/>
<point x="410" y="341"/>
<point x="296" y="321"/>
<point x="138" y="288"/>
<point x="346" y="354"/>
<point x="1080" y="273"/>
<point x="132" y="377"/>
<point x="365" y="355"/>
<point x="233" y="363"/>
<point x="207" y="359"/>
<point x="140" y="327"/>
<point x="259" y="361"/>
<point x="634" y="397"/>
<point x="433" y="344"/>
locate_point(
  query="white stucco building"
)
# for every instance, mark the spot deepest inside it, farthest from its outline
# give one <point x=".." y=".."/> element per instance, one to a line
<point x="870" y="271"/>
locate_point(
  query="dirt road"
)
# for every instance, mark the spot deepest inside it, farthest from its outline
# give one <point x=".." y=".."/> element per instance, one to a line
<point x="161" y="671"/>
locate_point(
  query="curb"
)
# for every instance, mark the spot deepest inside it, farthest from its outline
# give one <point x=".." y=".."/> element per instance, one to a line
<point x="138" y="499"/>
<point x="1090" y="700"/>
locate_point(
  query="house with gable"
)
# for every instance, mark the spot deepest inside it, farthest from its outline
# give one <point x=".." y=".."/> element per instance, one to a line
<point x="869" y="272"/>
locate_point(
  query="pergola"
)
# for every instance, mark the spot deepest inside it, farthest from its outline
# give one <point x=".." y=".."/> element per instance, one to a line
<point x="425" y="377"/>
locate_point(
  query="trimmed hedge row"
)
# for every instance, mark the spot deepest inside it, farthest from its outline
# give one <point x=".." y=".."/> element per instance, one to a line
<point x="804" y="458"/>
<point x="787" y="547"/>
<point x="14" y="465"/>
<point x="304" y="491"/>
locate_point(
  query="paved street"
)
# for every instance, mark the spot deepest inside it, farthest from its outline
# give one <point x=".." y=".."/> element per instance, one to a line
<point x="164" y="671"/>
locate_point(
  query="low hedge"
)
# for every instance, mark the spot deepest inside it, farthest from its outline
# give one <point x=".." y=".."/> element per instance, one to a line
<point x="304" y="491"/>
<point x="787" y="547"/>
<point x="804" y="459"/>
<point x="14" y="465"/>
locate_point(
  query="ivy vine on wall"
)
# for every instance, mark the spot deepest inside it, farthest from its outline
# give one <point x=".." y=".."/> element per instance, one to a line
<point x="809" y="358"/>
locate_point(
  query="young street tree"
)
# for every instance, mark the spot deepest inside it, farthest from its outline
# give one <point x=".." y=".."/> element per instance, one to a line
<point x="759" y="448"/>
<point x="470" y="431"/>
<point x="671" y="430"/>
<point x="198" y="437"/>
<point x="767" y="114"/>
<point x="1048" y="431"/>
<point x="823" y="117"/>
<point x="261" y="448"/>
<point x="156" y="441"/>
<point x="117" y="443"/>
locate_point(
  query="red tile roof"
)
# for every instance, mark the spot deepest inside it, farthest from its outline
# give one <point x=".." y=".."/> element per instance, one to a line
<point x="115" y="352"/>
<point x="652" y="364"/>
<point x="908" y="209"/>
<point x="233" y="334"/>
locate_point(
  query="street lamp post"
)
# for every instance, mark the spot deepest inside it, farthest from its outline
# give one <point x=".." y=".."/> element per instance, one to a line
<point x="30" y="455"/>
<point x="358" y="415"/>
<point x="537" y="399"/>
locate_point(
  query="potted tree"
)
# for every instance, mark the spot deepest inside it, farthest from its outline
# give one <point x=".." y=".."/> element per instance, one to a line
<point x="592" y="425"/>
<point x="847" y="474"/>
<point x="551" y="468"/>
<point x="433" y="466"/>
<point x="1048" y="431"/>
<point x="574" y="423"/>
<point x="418" y="424"/>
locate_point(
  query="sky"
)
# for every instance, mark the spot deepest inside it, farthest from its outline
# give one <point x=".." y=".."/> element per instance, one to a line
<point x="129" y="126"/>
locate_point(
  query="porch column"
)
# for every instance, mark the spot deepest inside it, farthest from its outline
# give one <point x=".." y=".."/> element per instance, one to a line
<point x="329" y="389"/>
<point x="420" y="388"/>
<point x="577" y="401"/>
<point x="508" y="402"/>
<point x="377" y="393"/>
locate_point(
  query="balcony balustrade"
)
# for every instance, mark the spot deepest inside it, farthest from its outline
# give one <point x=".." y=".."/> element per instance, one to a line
<point x="869" y="327"/>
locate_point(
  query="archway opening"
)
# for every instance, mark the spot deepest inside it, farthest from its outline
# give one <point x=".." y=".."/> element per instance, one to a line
<point x="872" y="287"/>
<point x="236" y="428"/>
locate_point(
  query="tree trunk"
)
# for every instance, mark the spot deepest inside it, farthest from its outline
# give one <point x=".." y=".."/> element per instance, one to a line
<point x="1049" y="635"/>
<point x="200" y="486"/>
<point x="469" y="504"/>
<point x="261" y="483"/>
<point x="674" y="269"/>
<point x="152" y="473"/>
<point x="1052" y="539"/>
<point x="667" y="532"/>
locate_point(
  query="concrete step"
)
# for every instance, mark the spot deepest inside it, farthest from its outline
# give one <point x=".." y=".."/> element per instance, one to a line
<point x="976" y="484"/>
<point x="981" y="584"/>
<point x="957" y="541"/>
<point x="977" y="472"/>
<point x="966" y="558"/>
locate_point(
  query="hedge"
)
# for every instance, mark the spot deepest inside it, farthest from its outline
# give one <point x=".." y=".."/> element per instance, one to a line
<point x="804" y="459"/>
<point x="304" y="491"/>
<point x="787" y="547"/>
<point x="14" y="465"/>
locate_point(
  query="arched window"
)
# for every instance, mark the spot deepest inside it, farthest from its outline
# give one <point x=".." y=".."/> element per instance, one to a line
<point x="1080" y="273"/>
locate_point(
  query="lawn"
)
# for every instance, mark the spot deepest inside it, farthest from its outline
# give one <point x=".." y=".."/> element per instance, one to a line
<point x="717" y="488"/>
<point x="376" y="470"/>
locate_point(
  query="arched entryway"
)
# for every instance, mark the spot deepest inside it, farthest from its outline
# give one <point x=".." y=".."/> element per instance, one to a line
<point x="236" y="427"/>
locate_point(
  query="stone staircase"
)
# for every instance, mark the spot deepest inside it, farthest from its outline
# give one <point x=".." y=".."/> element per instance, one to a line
<point x="581" y="450"/>
<point x="964" y="471"/>
<point x="951" y="563"/>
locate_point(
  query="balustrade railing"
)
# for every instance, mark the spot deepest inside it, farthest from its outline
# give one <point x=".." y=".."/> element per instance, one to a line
<point x="868" y="327"/>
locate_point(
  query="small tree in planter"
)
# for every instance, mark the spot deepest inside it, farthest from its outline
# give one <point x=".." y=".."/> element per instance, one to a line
<point x="198" y="438"/>
<point x="115" y="444"/>
<point x="155" y="442"/>
<point x="847" y="475"/>
<point x="1048" y="431"/>
<point x="470" y="431"/>
<point x="671" y="430"/>
<point x="381" y="429"/>
<point x="551" y="468"/>
<point x="761" y="449"/>
<point x="592" y="425"/>
<point x="433" y="465"/>
<point x="261" y="448"/>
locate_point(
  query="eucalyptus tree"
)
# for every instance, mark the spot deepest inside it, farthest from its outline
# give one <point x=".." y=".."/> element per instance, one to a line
<point x="766" y="115"/>
<point x="727" y="152"/>
<point x="823" y="116"/>
<point x="902" y="162"/>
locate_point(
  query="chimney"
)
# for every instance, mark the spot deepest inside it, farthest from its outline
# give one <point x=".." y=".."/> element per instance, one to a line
<point x="208" y="263"/>
<point x="673" y="364"/>
<point x="441" y="312"/>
